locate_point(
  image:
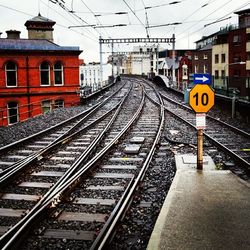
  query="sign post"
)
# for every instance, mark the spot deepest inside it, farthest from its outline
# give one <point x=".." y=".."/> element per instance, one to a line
<point x="200" y="125"/>
<point x="201" y="100"/>
<point x="200" y="149"/>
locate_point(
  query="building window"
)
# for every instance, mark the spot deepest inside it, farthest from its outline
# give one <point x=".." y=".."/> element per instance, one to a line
<point x="205" y="56"/>
<point x="46" y="106"/>
<point x="216" y="74"/>
<point x="236" y="39"/>
<point x="58" y="73"/>
<point x="205" y="69"/>
<point x="236" y="72"/>
<point x="59" y="103"/>
<point x="44" y="74"/>
<point x="237" y="57"/>
<point x="248" y="37"/>
<point x="223" y="58"/>
<point x="196" y="68"/>
<point x="13" y="116"/>
<point x="216" y="58"/>
<point x="196" y="57"/>
<point x="11" y="74"/>
<point x="223" y="73"/>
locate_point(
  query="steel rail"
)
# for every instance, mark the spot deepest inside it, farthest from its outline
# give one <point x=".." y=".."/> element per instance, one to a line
<point x="118" y="213"/>
<point x="236" y="157"/>
<point x="90" y="148"/>
<point x="8" y="174"/>
<point x="240" y="131"/>
<point x="8" y="240"/>
<point x="36" y="155"/>
<point x="7" y="147"/>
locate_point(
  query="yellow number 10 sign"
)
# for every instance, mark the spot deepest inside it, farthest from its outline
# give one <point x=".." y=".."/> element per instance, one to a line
<point x="201" y="98"/>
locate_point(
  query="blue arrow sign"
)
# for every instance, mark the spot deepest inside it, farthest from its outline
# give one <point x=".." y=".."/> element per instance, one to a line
<point x="202" y="78"/>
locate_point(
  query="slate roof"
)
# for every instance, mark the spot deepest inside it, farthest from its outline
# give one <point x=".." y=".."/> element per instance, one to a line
<point x="167" y="63"/>
<point x="33" y="44"/>
<point x="40" y="18"/>
<point x="206" y="47"/>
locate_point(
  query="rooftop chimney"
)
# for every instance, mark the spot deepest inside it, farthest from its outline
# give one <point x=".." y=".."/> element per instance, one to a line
<point x="13" y="34"/>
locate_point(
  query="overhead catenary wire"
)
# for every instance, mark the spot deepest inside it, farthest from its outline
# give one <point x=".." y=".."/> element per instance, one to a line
<point x="146" y="15"/>
<point x="76" y="18"/>
<point x="98" y="21"/>
<point x="196" y="11"/>
<point x="242" y="6"/>
<point x="137" y="17"/>
<point x="217" y="9"/>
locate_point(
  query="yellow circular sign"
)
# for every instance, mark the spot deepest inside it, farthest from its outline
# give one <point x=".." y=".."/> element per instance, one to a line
<point x="201" y="98"/>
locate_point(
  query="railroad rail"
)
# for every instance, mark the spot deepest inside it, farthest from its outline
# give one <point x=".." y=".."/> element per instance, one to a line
<point x="227" y="137"/>
<point x="18" y="155"/>
<point x="81" y="202"/>
<point x="57" y="194"/>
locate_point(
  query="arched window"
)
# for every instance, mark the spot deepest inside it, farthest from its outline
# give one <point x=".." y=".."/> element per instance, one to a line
<point x="44" y="74"/>
<point x="58" y="73"/>
<point x="11" y="74"/>
<point x="13" y="116"/>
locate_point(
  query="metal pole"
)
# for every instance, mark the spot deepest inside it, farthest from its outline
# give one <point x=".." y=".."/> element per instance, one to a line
<point x="233" y="104"/>
<point x="157" y="59"/>
<point x="112" y="54"/>
<point x="101" y="69"/>
<point x="199" y="149"/>
<point x="173" y="60"/>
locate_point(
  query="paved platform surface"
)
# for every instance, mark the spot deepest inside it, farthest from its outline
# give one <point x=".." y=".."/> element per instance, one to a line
<point x="207" y="209"/>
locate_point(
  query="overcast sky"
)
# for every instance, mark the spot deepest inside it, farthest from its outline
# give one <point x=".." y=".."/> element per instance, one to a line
<point x="192" y="14"/>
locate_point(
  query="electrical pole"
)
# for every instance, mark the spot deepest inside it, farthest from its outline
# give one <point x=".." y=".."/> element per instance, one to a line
<point x="101" y="68"/>
<point x="112" y="54"/>
<point x="157" y="59"/>
<point x="173" y="60"/>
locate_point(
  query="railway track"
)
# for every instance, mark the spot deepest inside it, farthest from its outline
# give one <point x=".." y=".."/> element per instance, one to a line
<point x="108" y="163"/>
<point x="80" y="203"/>
<point x="227" y="137"/>
<point x="17" y="155"/>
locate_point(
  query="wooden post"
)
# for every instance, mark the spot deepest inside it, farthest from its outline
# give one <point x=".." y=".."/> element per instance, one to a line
<point x="200" y="149"/>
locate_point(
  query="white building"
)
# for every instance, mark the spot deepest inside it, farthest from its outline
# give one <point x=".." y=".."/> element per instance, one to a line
<point x="90" y="75"/>
<point x="143" y="60"/>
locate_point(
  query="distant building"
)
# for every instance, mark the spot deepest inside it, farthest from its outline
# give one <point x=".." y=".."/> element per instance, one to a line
<point x="182" y="65"/>
<point x="90" y="75"/>
<point x="36" y="74"/>
<point x="226" y="55"/>
<point x="202" y="60"/>
<point x="141" y="61"/>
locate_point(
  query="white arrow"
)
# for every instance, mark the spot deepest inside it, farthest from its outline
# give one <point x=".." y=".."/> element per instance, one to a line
<point x="203" y="78"/>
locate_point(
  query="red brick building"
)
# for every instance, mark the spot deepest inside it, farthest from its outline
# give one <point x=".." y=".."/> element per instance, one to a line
<point x="182" y="66"/>
<point x="36" y="74"/>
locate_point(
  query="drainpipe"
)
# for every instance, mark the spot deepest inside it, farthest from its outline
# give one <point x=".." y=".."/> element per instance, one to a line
<point x="28" y="86"/>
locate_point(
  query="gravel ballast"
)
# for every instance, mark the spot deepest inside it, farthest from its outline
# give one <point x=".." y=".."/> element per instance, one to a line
<point x="36" y="124"/>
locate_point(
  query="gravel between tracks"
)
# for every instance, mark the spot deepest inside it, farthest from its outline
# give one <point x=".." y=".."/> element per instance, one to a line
<point x="26" y="128"/>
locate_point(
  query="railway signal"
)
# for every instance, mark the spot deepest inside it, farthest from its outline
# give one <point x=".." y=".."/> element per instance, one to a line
<point x="201" y="100"/>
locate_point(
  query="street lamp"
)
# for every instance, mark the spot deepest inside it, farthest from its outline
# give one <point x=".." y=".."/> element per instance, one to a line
<point x="229" y="64"/>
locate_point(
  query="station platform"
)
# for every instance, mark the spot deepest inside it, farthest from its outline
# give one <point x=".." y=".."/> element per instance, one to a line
<point x="208" y="209"/>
